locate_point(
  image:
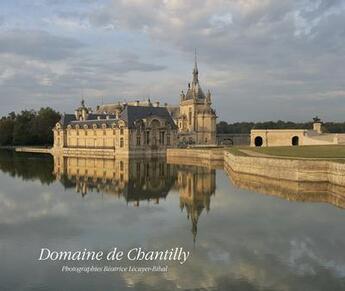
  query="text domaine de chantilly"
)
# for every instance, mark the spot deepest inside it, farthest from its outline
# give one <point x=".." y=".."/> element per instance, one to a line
<point x="135" y="254"/>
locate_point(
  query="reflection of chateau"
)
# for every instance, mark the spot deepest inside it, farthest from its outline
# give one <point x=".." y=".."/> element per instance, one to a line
<point x="140" y="180"/>
<point x="138" y="127"/>
<point x="135" y="180"/>
<point x="196" y="185"/>
<point x="290" y="190"/>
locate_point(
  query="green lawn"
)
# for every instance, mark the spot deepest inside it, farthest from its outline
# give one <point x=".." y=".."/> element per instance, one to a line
<point x="236" y="151"/>
<point x="323" y="152"/>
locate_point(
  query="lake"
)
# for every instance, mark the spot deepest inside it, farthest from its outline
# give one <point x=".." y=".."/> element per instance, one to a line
<point x="242" y="232"/>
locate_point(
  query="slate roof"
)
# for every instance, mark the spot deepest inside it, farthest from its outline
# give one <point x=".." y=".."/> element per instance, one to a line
<point x="130" y="114"/>
<point x="195" y="92"/>
<point x="108" y="122"/>
<point x="67" y="119"/>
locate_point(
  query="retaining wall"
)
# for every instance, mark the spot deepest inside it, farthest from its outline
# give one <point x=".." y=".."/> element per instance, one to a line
<point x="285" y="169"/>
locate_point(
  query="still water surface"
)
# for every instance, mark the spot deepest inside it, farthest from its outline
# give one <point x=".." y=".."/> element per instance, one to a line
<point x="239" y="239"/>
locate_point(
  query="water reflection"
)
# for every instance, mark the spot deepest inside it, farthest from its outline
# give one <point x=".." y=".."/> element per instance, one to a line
<point x="139" y="180"/>
<point x="245" y="241"/>
<point x="290" y="190"/>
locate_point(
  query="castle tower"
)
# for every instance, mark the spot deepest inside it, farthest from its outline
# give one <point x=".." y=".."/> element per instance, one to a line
<point x="197" y="120"/>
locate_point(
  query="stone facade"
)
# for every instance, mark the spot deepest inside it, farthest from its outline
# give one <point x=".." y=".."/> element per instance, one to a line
<point x="294" y="137"/>
<point x="137" y="130"/>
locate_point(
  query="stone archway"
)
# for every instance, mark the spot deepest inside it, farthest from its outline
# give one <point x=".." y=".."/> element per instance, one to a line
<point x="295" y="141"/>
<point x="258" y="141"/>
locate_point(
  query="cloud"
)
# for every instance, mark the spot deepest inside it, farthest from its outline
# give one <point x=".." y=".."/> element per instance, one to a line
<point x="274" y="52"/>
<point x="38" y="44"/>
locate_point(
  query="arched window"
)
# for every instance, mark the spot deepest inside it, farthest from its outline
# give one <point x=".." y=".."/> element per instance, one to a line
<point x="295" y="141"/>
<point x="121" y="142"/>
<point x="155" y="123"/>
<point x="258" y="141"/>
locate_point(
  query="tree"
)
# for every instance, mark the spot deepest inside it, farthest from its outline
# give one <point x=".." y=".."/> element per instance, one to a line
<point x="43" y="124"/>
<point x="22" y="131"/>
<point x="28" y="127"/>
<point x="6" y="131"/>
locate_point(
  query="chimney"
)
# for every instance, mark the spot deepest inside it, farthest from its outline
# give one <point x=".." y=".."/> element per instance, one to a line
<point x="137" y="103"/>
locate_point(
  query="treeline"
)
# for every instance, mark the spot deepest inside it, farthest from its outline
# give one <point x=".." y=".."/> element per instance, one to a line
<point x="245" y="127"/>
<point x="28" y="127"/>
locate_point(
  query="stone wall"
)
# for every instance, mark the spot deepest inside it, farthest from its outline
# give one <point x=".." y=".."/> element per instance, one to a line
<point x="216" y="154"/>
<point x="286" y="169"/>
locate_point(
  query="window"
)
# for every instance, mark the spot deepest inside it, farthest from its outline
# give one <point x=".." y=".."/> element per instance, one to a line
<point x="147" y="137"/>
<point x="121" y="142"/>
<point x="161" y="137"/>
<point x="168" y="139"/>
<point x="121" y="130"/>
<point x="104" y="132"/>
<point x="114" y="131"/>
<point x="85" y="132"/>
<point x="138" y="140"/>
<point x="190" y="116"/>
<point x="121" y="165"/>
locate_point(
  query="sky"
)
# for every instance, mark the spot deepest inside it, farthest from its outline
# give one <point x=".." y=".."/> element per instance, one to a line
<point x="261" y="59"/>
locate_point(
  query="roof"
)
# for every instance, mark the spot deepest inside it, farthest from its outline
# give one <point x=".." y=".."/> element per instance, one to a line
<point x="99" y="122"/>
<point x="196" y="91"/>
<point x="66" y="119"/>
<point x="133" y="113"/>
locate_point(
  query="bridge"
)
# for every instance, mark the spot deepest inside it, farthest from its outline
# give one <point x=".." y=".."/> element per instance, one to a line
<point x="233" y="139"/>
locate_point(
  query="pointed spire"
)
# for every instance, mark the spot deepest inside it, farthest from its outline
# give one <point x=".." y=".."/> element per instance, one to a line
<point x="195" y="70"/>
<point x="195" y="62"/>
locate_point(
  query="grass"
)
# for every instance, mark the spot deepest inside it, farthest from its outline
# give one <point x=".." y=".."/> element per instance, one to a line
<point x="319" y="152"/>
<point x="236" y="151"/>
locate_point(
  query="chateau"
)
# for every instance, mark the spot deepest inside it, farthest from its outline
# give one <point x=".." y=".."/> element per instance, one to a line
<point x="138" y="127"/>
